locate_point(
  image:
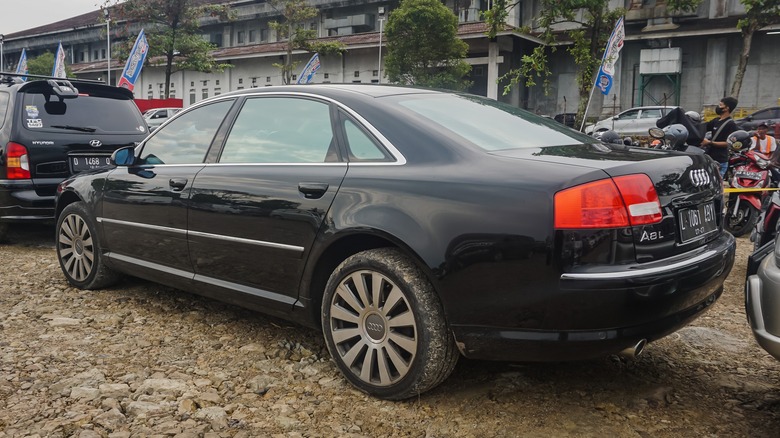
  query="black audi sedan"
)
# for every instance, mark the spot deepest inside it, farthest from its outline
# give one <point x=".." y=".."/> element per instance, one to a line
<point x="411" y="226"/>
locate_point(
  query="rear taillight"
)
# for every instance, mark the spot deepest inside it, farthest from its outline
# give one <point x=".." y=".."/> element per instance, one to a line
<point x="608" y="203"/>
<point x="17" y="162"/>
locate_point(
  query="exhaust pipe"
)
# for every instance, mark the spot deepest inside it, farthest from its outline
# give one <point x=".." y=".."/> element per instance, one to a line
<point x="635" y="351"/>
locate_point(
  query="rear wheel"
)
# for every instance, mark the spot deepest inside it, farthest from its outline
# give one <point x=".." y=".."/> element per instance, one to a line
<point x="79" y="251"/>
<point x="742" y="220"/>
<point x="385" y="327"/>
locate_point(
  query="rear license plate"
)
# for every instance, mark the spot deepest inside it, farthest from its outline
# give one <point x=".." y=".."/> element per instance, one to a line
<point x="697" y="222"/>
<point x="80" y="163"/>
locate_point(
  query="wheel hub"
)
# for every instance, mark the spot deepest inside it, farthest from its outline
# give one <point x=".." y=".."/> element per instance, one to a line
<point x="375" y="327"/>
<point x="78" y="246"/>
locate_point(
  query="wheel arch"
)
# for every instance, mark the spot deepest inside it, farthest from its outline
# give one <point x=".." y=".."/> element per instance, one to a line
<point x="339" y="249"/>
<point x="66" y="198"/>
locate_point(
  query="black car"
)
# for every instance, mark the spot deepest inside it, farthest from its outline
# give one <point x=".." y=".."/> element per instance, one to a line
<point x="412" y="226"/>
<point x="51" y="129"/>
<point x="770" y="116"/>
<point x="566" y="119"/>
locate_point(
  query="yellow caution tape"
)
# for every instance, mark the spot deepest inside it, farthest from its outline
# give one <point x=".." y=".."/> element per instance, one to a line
<point x="736" y="190"/>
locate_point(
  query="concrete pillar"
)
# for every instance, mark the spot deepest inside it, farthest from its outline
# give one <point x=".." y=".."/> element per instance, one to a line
<point x="492" y="73"/>
<point x="715" y="71"/>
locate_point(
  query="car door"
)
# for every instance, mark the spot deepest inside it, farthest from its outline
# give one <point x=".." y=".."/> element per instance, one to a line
<point x="647" y="119"/>
<point x="255" y="213"/>
<point x="145" y="205"/>
<point x="625" y="122"/>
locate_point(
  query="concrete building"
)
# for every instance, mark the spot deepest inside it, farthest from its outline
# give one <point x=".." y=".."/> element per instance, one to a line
<point x="684" y="59"/>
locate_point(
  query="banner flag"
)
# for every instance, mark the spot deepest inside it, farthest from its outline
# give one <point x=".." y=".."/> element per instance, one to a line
<point x="59" y="63"/>
<point x="21" y="68"/>
<point x="310" y="70"/>
<point x="607" y="71"/>
<point x="135" y="62"/>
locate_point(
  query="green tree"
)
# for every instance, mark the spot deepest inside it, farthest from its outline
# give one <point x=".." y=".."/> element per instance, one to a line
<point x="758" y="14"/>
<point x="172" y="30"/>
<point x="423" y="47"/>
<point x="294" y="29"/>
<point x="44" y="64"/>
<point x="585" y="42"/>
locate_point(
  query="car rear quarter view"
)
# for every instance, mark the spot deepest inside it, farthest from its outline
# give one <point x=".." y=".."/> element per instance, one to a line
<point x="410" y="226"/>
<point x="51" y="129"/>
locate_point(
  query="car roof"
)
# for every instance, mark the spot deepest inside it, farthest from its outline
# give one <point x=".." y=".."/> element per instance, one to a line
<point x="335" y="90"/>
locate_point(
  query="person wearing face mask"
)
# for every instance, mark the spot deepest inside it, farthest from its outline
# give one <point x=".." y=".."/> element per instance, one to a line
<point x="718" y="131"/>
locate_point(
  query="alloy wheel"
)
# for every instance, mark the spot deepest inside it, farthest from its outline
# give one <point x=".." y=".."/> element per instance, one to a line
<point x="373" y="328"/>
<point x="75" y="247"/>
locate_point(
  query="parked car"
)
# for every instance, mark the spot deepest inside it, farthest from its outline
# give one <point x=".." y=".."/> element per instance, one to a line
<point x="762" y="296"/>
<point x="770" y="116"/>
<point x="566" y="118"/>
<point x="51" y="129"/>
<point x="632" y="122"/>
<point x="157" y="116"/>
<point x="410" y="234"/>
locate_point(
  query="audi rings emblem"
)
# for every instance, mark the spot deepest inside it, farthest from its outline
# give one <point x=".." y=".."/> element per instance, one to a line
<point x="95" y="143"/>
<point x="374" y="327"/>
<point x="699" y="177"/>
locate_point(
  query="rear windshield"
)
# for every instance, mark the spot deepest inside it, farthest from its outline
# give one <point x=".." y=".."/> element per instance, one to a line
<point x="85" y="113"/>
<point x="489" y="124"/>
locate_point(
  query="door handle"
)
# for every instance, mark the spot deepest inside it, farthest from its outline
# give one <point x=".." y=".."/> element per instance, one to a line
<point x="312" y="190"/>
<point x="177" y="184"/>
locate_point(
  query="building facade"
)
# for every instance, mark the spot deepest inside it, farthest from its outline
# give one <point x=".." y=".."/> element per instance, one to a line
<point x="677" y="59"/>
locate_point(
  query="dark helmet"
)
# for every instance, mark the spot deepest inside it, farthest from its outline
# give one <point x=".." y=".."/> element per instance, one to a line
<point x="676" y="135"/>
<point x="739" y="140"/>
<point x="610" y="136"/>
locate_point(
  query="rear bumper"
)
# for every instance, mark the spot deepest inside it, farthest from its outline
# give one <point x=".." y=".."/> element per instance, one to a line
<point x="599" y="313"/>
<point x="19" y="201"/>
<point x="762" y="305"/>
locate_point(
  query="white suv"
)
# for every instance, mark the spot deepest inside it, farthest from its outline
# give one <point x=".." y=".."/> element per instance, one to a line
<point x="631" y="122"/>
<point x="157" y="116"/>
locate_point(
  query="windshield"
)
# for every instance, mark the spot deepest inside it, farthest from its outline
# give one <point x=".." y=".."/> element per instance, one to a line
<point x="489" y="124"/>
<point x="82" y="114"/>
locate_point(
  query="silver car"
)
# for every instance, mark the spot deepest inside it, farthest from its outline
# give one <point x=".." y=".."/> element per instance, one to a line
<point x="762" y="296"/>
<point x="631" y="122"/>
<point x="157" y="116"/>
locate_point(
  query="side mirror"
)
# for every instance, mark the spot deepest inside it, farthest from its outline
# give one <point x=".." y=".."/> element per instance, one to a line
<point x="615" y="117"/>
<point x="656" y="132"/>
<point x="124" y="156"/>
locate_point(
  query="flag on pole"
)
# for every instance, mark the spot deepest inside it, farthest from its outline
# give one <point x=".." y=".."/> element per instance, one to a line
<point x="607" y="70"/>
<point x="310" y="69"/>
<point x="59" y="63"/>
<point x="135" y="62"/>
<point x="21" y="68"/>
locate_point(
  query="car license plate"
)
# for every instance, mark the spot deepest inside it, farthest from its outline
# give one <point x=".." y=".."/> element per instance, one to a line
<point x="80" y="163"/>
<point x="697" y="222"/>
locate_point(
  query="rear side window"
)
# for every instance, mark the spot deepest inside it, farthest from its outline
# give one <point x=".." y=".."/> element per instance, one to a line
<point x="4" y="98"/>
<point x="87" y="113"/>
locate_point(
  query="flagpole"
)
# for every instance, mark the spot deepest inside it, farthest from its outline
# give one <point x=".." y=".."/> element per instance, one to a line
<point x="610" y="41"/>
<point x="587" y="106"/>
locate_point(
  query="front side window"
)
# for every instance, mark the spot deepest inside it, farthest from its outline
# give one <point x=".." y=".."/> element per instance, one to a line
<point x="186" y="139"/>
<point x="651" y="114"/>
<point x="280" y="130"/>
<point x="629" y="115"/>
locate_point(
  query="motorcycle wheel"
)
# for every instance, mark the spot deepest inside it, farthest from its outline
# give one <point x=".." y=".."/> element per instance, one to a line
<point x="742" y="221"/>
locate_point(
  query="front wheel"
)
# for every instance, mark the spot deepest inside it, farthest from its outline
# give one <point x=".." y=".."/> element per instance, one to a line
<point x="385" y="327"/>
<point x="742" y="220"/>
<point x="79" y="251"/>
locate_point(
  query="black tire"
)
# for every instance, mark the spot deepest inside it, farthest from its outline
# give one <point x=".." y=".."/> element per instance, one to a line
<point x="385" y="327"/>
<point x="79" y="251"/>
<point x="743" y="221"/>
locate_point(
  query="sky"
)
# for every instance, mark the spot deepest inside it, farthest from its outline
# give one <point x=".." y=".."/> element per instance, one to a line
<point x="27" y="14"/>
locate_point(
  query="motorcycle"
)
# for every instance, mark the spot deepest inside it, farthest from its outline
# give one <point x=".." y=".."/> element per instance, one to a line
<point x="748" y="169"/>
<point x="768" y="223"/>
<point x="674" y="137"/>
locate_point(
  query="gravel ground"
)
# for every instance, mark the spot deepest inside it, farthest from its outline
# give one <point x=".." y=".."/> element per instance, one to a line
<point x="142" y="360"/>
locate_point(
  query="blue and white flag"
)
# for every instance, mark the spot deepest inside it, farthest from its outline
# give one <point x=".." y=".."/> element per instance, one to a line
<point x="59" y="63"/>
<point x="310" y="70"/>
<point x="21" y="68"/>
<point x="135" y="62"/>
<point x="607" y="71"/>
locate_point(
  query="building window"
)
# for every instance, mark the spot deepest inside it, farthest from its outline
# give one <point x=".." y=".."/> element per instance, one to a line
<point x="95" y="55"/>
<point x="374" y="81"/>
<point x="151" y="95"/>
<point x="150" y="86"/>
<point x="103" y="54"/>
<point x="357" y="74"/>
<point x="206" y="82"/>
<point x="205" y="93"/>
<point x="357" y="82"/>
<point x="294" y="77"/>
<point x="252" y="36"/>
<point x="171" y="85"/>
<point x="240" y="80"/>
<point x="268" y="79"/>
<point x="81" y="57"/>
<point x="263" y="34"/>
<point x="326" y="75"/>
<point x="254" y="81"/>
<point x="217" y="91"/>
<point x="240" y="37"/>
<point x="216" y="82"/>
<point x="375" y="73"/>
<point x="192" y="97"/>
<point x="192" y="84"/>
<point x="239" y="88"/>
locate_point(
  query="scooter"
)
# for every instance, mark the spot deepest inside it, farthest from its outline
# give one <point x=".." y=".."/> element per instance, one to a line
<point x="749" y="169"/>
<point x="768" y="223"/>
